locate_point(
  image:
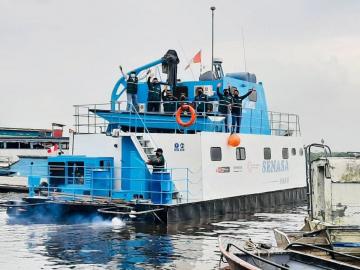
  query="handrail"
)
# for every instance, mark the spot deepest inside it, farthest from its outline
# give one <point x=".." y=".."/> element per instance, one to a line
<point x="145" y="127"/>
<point x="309" y="180"/>
<point x="323" y="249"/>
<point x="277" y="123"/>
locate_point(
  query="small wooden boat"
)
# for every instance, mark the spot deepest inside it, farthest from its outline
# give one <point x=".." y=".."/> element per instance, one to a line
<point x="239" y="258"/>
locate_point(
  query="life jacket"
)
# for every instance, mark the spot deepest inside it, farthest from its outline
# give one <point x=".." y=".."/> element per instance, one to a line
<point x="237" y="105"/>
<point x="224" y="103"/>
<point x="132" y="85"/>
<point x="154" y="92"/>
<point x="200" y="106"/>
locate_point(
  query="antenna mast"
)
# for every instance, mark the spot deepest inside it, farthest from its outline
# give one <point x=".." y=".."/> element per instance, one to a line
<point x="243" y="41"/>
<point x="212" y="40"/>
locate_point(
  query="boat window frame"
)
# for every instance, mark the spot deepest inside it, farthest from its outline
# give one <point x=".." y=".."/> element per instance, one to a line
<point x="285" y="153"/>
<point x="267" y="153"/>
<point x="238" y="154"/>
<point x="215" y="158"/>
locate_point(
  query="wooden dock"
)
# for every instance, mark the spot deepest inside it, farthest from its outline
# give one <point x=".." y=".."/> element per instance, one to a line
<point x="13" y="184"/>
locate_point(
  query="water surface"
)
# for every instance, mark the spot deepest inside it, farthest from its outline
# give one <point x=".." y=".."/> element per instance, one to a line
<point x="98" y="244"/>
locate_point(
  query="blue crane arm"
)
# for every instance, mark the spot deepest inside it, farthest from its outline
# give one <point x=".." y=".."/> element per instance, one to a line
<point x="122" y="81"/>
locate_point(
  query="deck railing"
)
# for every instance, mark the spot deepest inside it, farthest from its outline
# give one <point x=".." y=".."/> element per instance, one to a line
<point x="91" y="183"/>
<point x="88" y="121"/>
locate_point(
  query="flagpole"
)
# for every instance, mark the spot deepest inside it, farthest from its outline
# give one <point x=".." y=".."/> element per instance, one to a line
<point x="200" y="65"/>
<point x="212" y="40"/>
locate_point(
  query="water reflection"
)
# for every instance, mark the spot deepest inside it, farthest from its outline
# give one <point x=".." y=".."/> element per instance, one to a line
<point x="116" y="245"/>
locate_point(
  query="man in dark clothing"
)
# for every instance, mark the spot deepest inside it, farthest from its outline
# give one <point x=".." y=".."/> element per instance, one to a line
<point x="183" y="100"/>
<point x="154" y="97"/>
<point x="225" y="101"/>
<point x="132" y="89"/>
<point x="201" y="100"/>
<point x="158" y="162"/>
<point x="237" y="109"/>
<point x="169" y="101"/>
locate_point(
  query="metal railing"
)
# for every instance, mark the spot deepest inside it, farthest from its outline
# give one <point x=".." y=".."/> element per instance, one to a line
<point x="88" y="119"/>
<point x="91" y="183"/>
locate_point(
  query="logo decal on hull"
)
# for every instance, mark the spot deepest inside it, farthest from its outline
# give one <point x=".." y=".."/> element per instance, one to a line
<point x="223" y="169"/>
<point x="274" y="166"/>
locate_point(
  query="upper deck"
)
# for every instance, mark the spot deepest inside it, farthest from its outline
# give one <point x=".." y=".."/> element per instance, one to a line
<point x="118" y="115"/>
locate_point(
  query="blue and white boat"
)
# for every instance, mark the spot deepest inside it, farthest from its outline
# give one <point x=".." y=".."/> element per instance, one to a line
<point x="208" y="170"/>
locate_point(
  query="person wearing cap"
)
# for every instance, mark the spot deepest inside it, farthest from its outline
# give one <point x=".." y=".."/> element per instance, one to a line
<point x="225" y="101"/>
<point x="158" y="162"/>
<point x="237" y="108"/>
<point x="154" y="96"/>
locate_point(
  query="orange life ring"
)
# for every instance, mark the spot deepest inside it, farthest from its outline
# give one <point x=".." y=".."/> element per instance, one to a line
<point x="181" y="109"/>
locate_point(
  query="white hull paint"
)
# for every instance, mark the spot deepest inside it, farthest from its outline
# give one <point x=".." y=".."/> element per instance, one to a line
<point x="209" y="179"/>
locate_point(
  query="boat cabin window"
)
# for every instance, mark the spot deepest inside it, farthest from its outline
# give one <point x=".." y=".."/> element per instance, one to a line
<point x="179" y="90"/>
<point x="253" y="96"/>
<point x="215" y="153"/>
<point x="76" y="172"/>
<point x="12" y="145"/>
<point x="267" y="153"/>
<point x="285" y="153"/>
<point x="2" y="145"/>
<point x="240" y="153"/>
<point x="56" y="174"/>
<point x="293" y="151"/>
<point x="301" y="151"/>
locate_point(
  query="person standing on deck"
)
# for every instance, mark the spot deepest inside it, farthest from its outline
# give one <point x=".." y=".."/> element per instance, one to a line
<point x="182" y="101"/>
<point x="225" y="101"/>
<point x="154" y="97"/>
<point x="158" y="162"/>
<point x="237" y="109"/>
<point x="132" y="89"/>
<point x="169" y="101"/>
<point x="201" y="101"/>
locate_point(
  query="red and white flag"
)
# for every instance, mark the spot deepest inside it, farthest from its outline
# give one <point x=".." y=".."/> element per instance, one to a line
<point x="53" y="148"/>
<point x="195" y="59"/>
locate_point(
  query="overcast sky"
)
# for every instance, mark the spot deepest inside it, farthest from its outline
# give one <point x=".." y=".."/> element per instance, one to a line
<point x="54" y="54"/>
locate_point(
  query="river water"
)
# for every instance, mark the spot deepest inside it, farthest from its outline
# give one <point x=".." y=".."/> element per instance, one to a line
<point x="98" y="244"/>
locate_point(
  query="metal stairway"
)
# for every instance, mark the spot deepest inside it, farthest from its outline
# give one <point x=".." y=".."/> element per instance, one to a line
<point x="147" y="146"/>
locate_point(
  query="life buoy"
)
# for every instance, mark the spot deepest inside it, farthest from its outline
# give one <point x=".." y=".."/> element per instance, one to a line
<point x="181" y="109"/>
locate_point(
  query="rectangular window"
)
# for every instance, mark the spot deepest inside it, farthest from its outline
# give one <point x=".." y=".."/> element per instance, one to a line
<point x="56" y="174"/>
<point x="75" y="172"/>
<point x="285" y="153"/>
<point x="215" y="153"/>
<point x="267" y="153"/>
<point x="240" y="153"/>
